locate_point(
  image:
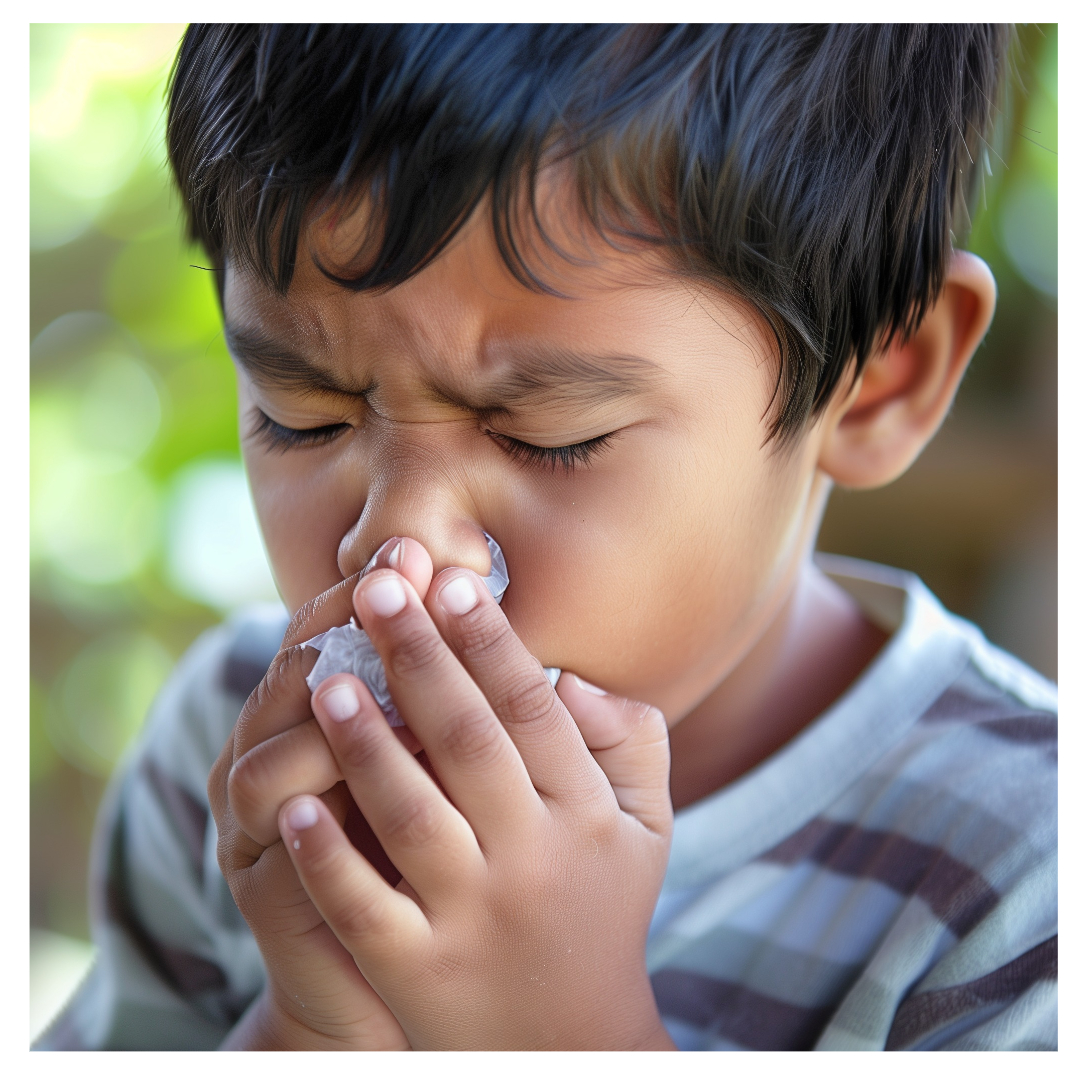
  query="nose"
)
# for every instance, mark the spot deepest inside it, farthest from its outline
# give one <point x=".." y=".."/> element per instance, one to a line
<point x="413" y="492"/>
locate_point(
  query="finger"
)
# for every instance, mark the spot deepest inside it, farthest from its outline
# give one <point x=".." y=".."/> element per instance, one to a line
<point x="409" y="558"/>
<point x="372" y="920"/>
<point x="294" y="762"/>
<point x="514" y="683"/>
<point x="235" y="850"/>
<point x="312" y="971"/>
<point x="473" y="756"/>
<point x="321" y="613"/>
<point x="426" y="838"/>
<point x="335" y="606"/>
<point x="281" y="701"/>
<point x="629" y="741"/>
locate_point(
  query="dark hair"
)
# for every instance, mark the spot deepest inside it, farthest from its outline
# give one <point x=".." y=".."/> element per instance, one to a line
<point x="817" y="171"/>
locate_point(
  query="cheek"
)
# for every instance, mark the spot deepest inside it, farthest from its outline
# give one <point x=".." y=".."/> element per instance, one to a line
<point x="655" y="582"/>
<point x="304" y="512"/>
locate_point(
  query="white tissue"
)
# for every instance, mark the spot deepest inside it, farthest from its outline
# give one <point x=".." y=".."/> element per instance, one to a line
<point x="348" y="649"/>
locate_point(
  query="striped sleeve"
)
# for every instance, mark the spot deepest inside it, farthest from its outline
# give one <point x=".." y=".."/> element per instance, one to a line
<point x="973" y="964"/>
<point x="175" y="965"/>
<point x="916" y="912"/>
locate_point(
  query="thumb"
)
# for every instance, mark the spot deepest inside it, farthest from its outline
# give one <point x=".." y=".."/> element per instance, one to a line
<point x="629" y="741"/>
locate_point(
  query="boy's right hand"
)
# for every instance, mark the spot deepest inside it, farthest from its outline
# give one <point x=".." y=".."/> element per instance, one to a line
<point x="315" y="996"/>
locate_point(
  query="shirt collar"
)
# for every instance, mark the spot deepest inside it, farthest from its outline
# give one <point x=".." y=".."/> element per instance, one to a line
<point x="925" y="654"/>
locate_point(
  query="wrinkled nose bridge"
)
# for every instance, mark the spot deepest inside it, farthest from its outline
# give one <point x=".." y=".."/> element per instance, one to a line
<point x="417" y="486"/>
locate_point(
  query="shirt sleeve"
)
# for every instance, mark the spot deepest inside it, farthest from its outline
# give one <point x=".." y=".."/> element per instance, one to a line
<point x="175" y="965"/>
<point x="1013" y="1007"/>
<point x="996" y="989"/>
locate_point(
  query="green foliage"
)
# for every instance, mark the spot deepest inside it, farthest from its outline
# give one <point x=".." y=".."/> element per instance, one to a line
<point x="124" y="396"/>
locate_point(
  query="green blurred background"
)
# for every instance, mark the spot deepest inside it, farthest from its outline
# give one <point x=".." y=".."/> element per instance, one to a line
<point x="142" y="533"/>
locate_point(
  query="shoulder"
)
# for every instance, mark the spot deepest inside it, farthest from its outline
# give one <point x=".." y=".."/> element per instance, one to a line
<point x="966" y="807"/>
<point x="966" y="728"/>
<point x="972" y="786"/>
<point x="959" y="819"/>
<point x="984" y="750"/>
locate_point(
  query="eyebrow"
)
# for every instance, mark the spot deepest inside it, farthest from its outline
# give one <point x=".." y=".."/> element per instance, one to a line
<point x="552" y="376"/>
<point x="522" y="377"/>
<point x="275" y="365"/>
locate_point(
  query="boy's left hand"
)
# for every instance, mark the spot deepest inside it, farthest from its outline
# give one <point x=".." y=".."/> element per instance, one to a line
<point x="530" y="868"/>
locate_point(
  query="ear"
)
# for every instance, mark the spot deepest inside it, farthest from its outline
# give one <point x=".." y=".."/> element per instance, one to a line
<point x="874" y="433"/>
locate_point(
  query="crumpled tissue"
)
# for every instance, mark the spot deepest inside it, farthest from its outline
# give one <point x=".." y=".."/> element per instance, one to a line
<point x="348" y="649"/>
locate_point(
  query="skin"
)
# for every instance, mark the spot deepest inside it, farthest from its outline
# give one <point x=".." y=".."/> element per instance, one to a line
<point x="672" y="569"/>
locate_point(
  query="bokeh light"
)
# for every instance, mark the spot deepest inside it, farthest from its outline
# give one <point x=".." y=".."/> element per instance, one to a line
<point x="213" y="547"/>
<point x="90" y="124"/>
<point x="142" y="531"/>
<point x="102" y="697"/>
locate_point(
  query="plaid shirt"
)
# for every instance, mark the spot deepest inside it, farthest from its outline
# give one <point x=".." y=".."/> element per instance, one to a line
<point x="886" y="880"/>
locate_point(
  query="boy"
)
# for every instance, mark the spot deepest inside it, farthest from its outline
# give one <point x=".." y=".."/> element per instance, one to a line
<point x="630" y="300"/>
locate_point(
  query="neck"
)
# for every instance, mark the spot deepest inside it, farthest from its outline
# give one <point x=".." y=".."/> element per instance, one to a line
<point x="813" y="650"/>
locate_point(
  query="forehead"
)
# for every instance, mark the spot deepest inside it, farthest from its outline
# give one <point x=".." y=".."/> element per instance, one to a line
<point x="466" y="311"/>
<point x="467" y="291"/>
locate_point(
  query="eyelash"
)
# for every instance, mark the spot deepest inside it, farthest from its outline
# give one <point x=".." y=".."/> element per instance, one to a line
<point x="554" y="458"/>
<point x="279" y="437"/>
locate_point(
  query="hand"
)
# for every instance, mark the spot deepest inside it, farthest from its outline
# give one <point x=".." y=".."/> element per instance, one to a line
<point x="315" y="996"/>
<point x="530" y="868"/>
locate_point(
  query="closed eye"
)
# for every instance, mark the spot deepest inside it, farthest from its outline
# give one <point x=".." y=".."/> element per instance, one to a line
<point x="276" y="436"/>
<point x="566" y="458"/>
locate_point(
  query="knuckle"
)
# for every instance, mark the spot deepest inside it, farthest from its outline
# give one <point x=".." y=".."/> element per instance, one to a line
<point x="252" y="805"/>
<point x="593" y="804"/>
<point x="412" y="823"/>
<point x="486" y="630"/>
<point x="324" y="861"/>
<point x="359" y="749"/>
<point x="354" y="923"/>
<point x="217" y="782"/>
<point x="224" y="854"/>
<point x="653" y="729"/>
<point x="246" y="781"/>
<point x="531" y="702"/>
<point x="417" y="650"/>
<point x="472" y="738"/>
<point x="232" y="855"/>
<point x="606" y="824"/>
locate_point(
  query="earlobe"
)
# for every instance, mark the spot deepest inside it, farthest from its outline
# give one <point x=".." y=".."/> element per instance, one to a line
<point x="874" y="432"/>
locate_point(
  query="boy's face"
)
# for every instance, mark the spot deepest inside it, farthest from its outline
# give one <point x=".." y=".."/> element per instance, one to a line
<point x="648" y="562"/>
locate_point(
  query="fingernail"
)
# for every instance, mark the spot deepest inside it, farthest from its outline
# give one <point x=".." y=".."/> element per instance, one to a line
<point x="393" y="558"/>
<point x="385" y="597"/>
<point x="340" y="702"/>
<point x="458" y="596"/>
<point x="302" y="815"/>
<point x="584" y="686"/>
